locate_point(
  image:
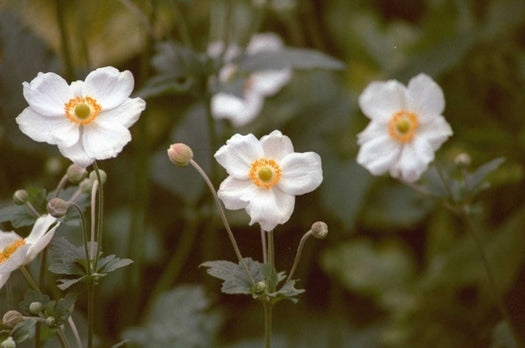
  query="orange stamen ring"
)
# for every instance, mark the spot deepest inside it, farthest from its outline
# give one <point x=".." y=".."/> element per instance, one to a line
<point x="10" y="249"/>
<point x="82" y="110"/>
<point x="265" y="173"/>
<point x="402" y="126"/>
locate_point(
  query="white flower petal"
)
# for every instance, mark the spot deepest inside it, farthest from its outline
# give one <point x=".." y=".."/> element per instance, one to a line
<point x="240" y="111"/>
<point x="270" y="82"/>
<point x="435" y="132"/>
<point x="238" y="155"/>
<point x="413" y="160"/>
<point x="39" y="245"/>
<point x="7" y="238"/>
<point x="125" y="114"/>
<point x="16" y="259"/>
<point x="270" y="208"/>
<point x="380" y="100"/>
<point x="426" y="97"/>
<point x="301" y="173"/>
<point x="276" y="145"/>
<point x="108" y="86"/>
<point x="264" y="42"/>
<point x="233" y="192"/>
<point x="372" y="131"/>
<point x="103" y="140"/>
<point x="52" y="130"/>
<point x="77" y="154"/>
<point x="379" y="154"/>
<point x="40" y="228"/>
<point x="3" y="278"/>
<point x="47" y="94"/>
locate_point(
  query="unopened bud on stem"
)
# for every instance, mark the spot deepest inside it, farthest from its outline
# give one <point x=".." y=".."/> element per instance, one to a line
<point x="20" y="197"/>
<point x="8" y="343"/>
<point x="462" y="160"/>
<point x="319" y="230"/>
<point x="57" y="207"/>
<point x="103" y="176"/>
<point x="11" y="318"/>
<point x="36" y="307"/>
<point x="180" y="154"/>
<point x="75" y="173"/>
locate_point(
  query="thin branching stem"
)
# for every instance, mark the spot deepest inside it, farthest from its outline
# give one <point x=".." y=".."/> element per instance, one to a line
<point x="298" y="254"/>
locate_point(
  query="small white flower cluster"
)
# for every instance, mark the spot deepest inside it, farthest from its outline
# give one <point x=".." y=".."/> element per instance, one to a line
<point x="241" y="110"/>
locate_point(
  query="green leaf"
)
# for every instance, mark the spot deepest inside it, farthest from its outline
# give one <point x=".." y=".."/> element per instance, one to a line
<point x="110" y="263"/>
<point x="31" y="296"/>
<point x="236" y="281"/>
<point x="287" y="292"/>
<point x="23" y="330"/>
<point x="296" y="58"/>
<point x="64" y="283"/>
<point x="179" y="318"/>
<point x="476" y="178"/>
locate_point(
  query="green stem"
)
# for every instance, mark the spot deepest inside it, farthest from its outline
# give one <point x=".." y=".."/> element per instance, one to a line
<point x="271" y="260"/>
<point x="100" y="212"/>
<point x="182" y="25"/>
<point x="64" y="40"/>
<point x="263" y="245"/>
<point x="496" y="293"/>
<point x="224" y="219"/>
<point x="83" y="226"/>
<point x="61" y="185"/>
<point x="90" y="313"/>
<point x="268" y="307"/>
<point x="298" y="255"/>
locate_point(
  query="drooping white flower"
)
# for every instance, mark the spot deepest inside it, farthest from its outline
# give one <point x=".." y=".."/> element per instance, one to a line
<point x="265" y="176"/>
<point x="16" y="251"/>
<point x="88" y="120"/>
<point x="241" y="110"/>
<point x="406" y="127"/>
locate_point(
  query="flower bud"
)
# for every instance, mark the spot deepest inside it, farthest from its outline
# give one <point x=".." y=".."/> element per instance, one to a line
<point x="8" y="343"/>
<point x="36" y="307"/>
<point x="103" y="176"/>
<point x="20" y="197"/>
<point x="50" y="321"/>
<point x="462" y="160"/>
<point x="180" y="154"/>
<point x="75" y="173"/>
<point x="319" y="230"/>
<point x="57" y="207"/>
<point x="86" y="185"/>
<point x="11" y="318"/>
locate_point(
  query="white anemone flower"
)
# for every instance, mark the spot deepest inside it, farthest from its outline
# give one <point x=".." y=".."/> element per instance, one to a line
<point x="265" y="176"/>
<point x="16" y="251"/>
<point x="88" y="120"/>
<point x="258" y="85"/>
<point x="406" y="127"/>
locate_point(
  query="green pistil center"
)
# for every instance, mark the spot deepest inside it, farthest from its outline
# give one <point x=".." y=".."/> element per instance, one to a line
<point x="265" y="174"/>
<point x="403" y="126"/>
<point x="82" y="111"/>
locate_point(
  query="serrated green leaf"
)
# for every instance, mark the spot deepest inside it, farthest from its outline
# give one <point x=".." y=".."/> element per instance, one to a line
<point x="236" y="281"/>
<point x="110" y="263"/>
<point x="66" y="283"/>
<point x="19" y="216"/>
<point x="287" y="292"/>
<point x="31" y="296"/>
<point x="296" y="58"/>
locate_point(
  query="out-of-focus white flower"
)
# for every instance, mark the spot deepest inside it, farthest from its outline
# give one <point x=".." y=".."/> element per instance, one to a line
<point x="406" y="127"/>
<point x="241" y="110"/>
<point x="16" y="251"/>
<point x="88" y="120"/>
<point x="265" y="176"/>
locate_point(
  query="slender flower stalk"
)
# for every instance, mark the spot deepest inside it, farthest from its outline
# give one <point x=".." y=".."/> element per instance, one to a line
<point x="298" y="254"/>
<point x="223" y="218"/>
<point x="268" y="305"/>
<point x="263" y="245"/>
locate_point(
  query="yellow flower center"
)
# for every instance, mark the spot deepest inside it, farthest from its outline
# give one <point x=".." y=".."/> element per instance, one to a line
<point x="265" y="173"/>
<point x="10" y="249"/>
<point x="402" y="126"/>
<point x="82" y="110"/>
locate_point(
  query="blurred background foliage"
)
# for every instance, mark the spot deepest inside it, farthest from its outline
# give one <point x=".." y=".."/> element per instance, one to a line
<point x="397" y="270"/>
